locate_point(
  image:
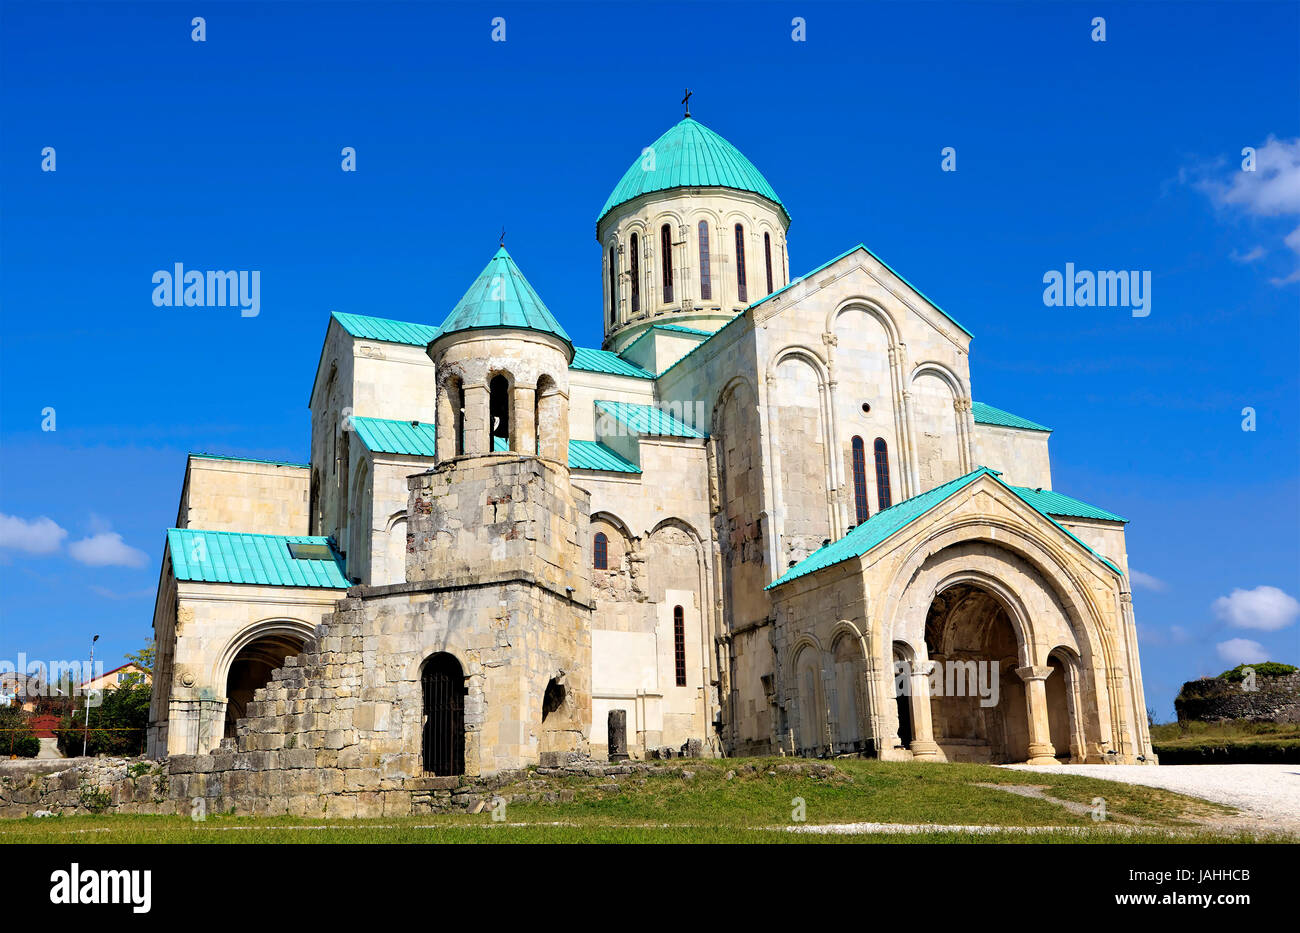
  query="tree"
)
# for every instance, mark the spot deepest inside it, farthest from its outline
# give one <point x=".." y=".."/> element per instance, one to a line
<point x="16" y="736"/>
<point x="142" y="659"/>
<point x="117" y="726"/>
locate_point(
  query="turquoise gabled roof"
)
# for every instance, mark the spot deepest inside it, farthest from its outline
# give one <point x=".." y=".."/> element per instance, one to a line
<point x="647" y="419"/>
<point x="389" y="436"/>
<point x="606" y="361"/>
<point x="1062" y="506"/>
<point x="887" y="522"/>
<point x="987" y="414"/>
<point x="690" y="155"/>
<point x="379" y="328"/>
<point x="502" y="297"/>
<point x="264" y="560"/>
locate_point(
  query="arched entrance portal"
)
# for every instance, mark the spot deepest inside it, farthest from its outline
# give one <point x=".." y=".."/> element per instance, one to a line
<point x="443" y="732"/>
<point x="251" y="670"/>
<point x="977" y="699"/>
<point x="902" y="695"/>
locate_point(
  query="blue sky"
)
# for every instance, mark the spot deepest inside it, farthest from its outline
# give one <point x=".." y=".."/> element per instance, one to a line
<point x="225" y="154"/>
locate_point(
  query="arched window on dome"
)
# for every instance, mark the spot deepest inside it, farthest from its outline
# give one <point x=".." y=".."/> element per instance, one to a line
<point x="706" y="282"/>
<point x="767" y="255"/>
<point x="883" y="493"/>
<point x="613" y="285"/>
<point x="741" y="291"/>
<point x="666" y="247"/>
<point x="861" y="511"/>
<point x="600" y="552"/>
<point x="634" y="273"/>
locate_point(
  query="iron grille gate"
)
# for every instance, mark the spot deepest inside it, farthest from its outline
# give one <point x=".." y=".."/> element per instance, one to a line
<point x="444" y="716"/>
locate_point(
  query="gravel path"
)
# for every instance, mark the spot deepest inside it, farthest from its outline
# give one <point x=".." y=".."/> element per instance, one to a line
<point x="1267" y="795"/>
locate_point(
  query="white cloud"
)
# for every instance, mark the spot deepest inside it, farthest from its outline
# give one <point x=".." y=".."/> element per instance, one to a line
<point x="1248" y="256"/>
<point x="1265" y="608"/>
<point x="1241" y="651"/>
<point x="1272" y="190"/>
<point x="1146" y="581"/>
<point x="107" y="549"/>
<point x="38" y="536"/>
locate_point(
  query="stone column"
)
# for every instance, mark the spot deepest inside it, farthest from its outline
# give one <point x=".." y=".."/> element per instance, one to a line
<point x="523" y="430"/>
<point x="1041" y="750"/>
<point x="445" y="438"/>
<point x="924" y="747"/>
<point x="477" y="432"/>
<point x="616" y="724"/>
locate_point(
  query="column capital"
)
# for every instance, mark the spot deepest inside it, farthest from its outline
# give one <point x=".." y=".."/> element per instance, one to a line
<point x="922" y="668"/>
<point x="1030" y="673"/>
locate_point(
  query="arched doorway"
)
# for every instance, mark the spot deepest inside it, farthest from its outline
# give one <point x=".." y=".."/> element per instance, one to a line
<point x="903" y="694"/>
<point x="1060" y="705"/>
<point x="443" y="732"/>
<point x="977" y="701"/>
<point x="251" y="670"/>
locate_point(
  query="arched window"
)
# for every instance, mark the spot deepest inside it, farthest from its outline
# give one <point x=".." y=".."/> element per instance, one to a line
<point x="666" y="247"/>
<point x="706" y="281"/>
<point x="767" y="255"/>
<point x="860" y="480"/>
<point x="458" y="400"/>
<point x="634" y="272"/>
<point x="613" y="285"/>
<point x="883" y="494"/>
<point x="741" y="291"/>
<point x="499" y="413"/>
<point x="679" y="644"/>
<point x="600" y="552"/>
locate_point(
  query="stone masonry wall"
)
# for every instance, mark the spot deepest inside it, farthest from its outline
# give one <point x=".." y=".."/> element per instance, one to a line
<point x="1277" y="699"/>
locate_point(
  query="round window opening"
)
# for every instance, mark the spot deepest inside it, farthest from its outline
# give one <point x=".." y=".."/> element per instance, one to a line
<point x="866" y="408"/>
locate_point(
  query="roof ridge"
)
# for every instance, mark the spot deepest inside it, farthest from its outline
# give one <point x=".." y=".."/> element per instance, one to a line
<point x="248" y="534"/>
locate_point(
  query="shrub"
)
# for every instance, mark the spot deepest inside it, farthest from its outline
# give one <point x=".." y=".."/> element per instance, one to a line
<point x="1263" y="669"/>
<point x="16" y="735"/>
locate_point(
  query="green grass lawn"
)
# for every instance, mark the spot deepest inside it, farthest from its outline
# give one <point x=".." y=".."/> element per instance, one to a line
<point x="1195" y="733"/>
<point x="755" y="805"/>
<point x="1235" y="741"/>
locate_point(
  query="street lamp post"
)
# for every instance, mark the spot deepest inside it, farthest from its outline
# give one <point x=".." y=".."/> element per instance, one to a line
<point x="85" y="738"/>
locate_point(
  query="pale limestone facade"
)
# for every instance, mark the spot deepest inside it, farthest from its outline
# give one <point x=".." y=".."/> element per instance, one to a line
<point x="798" y="416"/>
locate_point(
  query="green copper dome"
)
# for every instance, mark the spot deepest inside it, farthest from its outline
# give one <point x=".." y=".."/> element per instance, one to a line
<point x="690" y="155"/>
<point x="502" y="297"/>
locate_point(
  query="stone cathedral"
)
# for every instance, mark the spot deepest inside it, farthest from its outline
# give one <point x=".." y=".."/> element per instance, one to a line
<point x="766" y="516"/>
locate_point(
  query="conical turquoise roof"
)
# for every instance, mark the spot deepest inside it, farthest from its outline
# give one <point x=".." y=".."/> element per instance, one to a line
<point x="690" y="155"/>
<point x="502" y="297"/>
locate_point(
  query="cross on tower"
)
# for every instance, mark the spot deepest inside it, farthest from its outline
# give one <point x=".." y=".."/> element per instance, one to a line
<point x="686" y="101"/>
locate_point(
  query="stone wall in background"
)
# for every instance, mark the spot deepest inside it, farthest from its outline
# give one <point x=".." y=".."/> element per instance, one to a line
<point x="1211" y="699"/>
